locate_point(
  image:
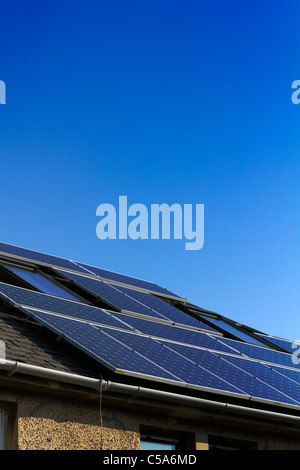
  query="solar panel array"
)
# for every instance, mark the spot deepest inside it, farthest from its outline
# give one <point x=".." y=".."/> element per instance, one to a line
<point x="125" y="299"/>
<point x="24" y="254"/>
<point x="141" y="335"/>
<point x="50" y="260"/>
<point x="131" y="281"/>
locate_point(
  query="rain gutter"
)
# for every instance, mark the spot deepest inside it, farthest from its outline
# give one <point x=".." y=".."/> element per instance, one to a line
<point x="134" y="392"/>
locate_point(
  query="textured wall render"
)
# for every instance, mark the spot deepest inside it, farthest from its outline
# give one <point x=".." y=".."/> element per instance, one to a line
<point x="48" y="422"/>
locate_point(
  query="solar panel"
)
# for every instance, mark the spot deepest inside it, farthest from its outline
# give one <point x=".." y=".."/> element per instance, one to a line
<point x="36" y="256"/>
<point x="103" y="348"/>
<point x="157" y="341"/>
<point x="130" y="354"/>
<point x="165" y="309"/>
<point x="174" y="333"/>
<point x="67" y="319"/>
<point x="184" y="369"/>
<point x="268" y="375"/>
<point x="264" y="354"/>
<point x="37" y="300"/>
<point x="131" y="281"/>
<point x="112" y="295"/>
<point x="125" y="299"/>
<point x="289" y="346"/>
<point x="239" y="374"/>
<point x="135" y="354"/>
<point x="26" y="254"/>
<point x="292" y="374"/>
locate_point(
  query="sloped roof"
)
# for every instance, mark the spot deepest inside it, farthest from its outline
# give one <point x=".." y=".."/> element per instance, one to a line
<point x="131" y="328"/>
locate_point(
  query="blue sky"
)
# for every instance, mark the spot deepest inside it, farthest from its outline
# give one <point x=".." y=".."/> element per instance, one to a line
<point x="164" y="102"/>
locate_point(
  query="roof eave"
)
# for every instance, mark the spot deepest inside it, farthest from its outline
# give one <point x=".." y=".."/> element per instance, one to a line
<point x="174" y="404"/>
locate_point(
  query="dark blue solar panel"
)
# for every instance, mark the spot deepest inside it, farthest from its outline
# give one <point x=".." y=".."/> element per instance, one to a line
<point x="267" y="375"/>
<point x="292" y="374"/>
<point x="230" y="370"/>
<point x="165" y="309"/>
<point x="289" y="346"/>
<point x="128" y="299"/>
<point x="131" y="281"/>
<point x="174" y="333"/>
<point x="262" y="353"/>
<point x="97" y="317"/>
<point x="50" y="303"/>
<point x="36" y="256"/>
<point x="50" y="260"/>
<point x="112" y="295"/>
<point x="103" y="348"/>
<point x="182" y="367"/>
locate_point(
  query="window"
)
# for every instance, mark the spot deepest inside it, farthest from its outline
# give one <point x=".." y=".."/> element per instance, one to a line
<point x="156" y="442"/>
<point x="235" y="331"/>
<point x="42" y="282"/>
<point x="2" y="430"/>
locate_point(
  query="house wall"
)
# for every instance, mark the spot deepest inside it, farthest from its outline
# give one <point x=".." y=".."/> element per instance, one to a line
<point x="46" y="422"/>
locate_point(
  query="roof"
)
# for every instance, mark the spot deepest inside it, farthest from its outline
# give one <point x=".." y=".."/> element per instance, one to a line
<point x="135" y="331"/>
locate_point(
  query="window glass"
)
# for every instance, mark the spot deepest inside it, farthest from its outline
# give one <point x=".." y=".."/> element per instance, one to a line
<point x="41" y="282"/>
<point x="235" y="331"/>
<point x="156" y="442"/>
<point x="150" y="445"/>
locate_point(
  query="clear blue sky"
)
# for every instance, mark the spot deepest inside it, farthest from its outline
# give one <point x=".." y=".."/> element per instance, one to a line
<point x="166" y="102"/>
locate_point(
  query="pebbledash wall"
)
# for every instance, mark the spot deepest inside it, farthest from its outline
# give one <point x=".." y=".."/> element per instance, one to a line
<point x="46" y="422"/>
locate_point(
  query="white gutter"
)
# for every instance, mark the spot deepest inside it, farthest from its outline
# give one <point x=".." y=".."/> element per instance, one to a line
<point x="13" y="367"/>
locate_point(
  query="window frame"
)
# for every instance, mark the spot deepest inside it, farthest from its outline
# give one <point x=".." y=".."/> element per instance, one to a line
<point x="163" y="437"/>
<point x="3" y="428"/>
<point x="9" y="428"/>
